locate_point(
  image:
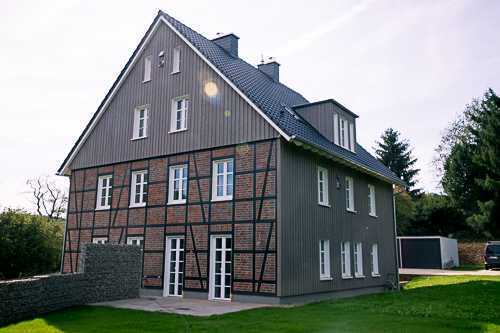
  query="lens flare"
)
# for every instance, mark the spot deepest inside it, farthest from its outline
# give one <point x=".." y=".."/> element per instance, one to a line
<point x="210" y="89"/>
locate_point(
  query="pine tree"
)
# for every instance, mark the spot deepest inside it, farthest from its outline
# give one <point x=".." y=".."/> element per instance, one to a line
<point x="396" y="154"/>
<point x="487" y="159"/>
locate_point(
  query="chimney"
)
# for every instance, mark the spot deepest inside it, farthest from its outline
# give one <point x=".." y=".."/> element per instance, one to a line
<point x="271" y="68"/>
<point x="229" y="42"/>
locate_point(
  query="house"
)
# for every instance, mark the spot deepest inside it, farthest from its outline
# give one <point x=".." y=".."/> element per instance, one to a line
<point x="235" y="186"/>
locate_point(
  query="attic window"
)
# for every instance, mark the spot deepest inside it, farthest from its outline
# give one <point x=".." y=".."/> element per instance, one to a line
<point x="176" y="60"/>
<point x="147" y="69"/>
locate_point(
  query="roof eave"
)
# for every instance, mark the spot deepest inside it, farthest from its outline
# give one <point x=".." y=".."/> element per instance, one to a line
<point x="323" y="152"/>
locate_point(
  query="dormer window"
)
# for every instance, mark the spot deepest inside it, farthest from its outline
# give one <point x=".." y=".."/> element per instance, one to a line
<point x="343" y="132"/>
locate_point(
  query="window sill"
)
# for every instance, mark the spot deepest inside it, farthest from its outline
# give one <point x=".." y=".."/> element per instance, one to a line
<point x="173" y="203"/>
<point x="177" y="131"/>
<point x="222" y="199"/>
<point x="103" y="208"/>
<point x="137" y="205"/>
<point x="146" y="81"/>
<point x="375" y="275"/>
<point x="346" y="277"/>
<point x="324" y="204"/>
<point x="142" y="137"/>
<point x="359" y="276"/>
<point x="326" y="278"/>
<point x="172" y="73"/>
<point x="352" y="211"/>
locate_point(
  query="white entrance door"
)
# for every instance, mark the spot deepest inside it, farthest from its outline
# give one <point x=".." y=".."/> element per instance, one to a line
<point x="174" y="266"/>
<point x="220" y="267"/>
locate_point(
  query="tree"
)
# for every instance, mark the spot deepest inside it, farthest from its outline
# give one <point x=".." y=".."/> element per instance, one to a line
<point x="395" y="153"/>
<point x="405" y="212"/>
<point x="29" y="244"/>
<point x="469" y="155"/>
<point x="49" y="200"/>
<point x="436" y="215"/>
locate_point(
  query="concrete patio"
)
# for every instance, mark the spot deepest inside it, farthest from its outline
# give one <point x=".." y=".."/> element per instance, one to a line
<point x="193" y="307"/>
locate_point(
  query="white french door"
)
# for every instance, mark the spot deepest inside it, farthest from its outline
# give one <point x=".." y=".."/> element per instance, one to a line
<point x="220" y="267"/>
<point x="174" y="266"/>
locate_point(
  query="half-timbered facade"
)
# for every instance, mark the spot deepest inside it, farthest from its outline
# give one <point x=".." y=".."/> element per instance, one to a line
<point x="234" y="185"/>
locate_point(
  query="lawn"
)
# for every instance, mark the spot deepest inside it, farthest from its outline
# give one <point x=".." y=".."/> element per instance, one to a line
<point x="435" y="304"/>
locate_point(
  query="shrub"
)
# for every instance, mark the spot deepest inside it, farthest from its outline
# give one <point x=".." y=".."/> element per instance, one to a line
<point x="29" y="244"/>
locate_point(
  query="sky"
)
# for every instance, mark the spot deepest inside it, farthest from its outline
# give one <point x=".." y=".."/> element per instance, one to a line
<point x="410" y="65"/>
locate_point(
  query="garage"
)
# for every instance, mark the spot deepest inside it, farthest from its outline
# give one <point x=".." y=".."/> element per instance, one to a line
<point x="427" y="252"/>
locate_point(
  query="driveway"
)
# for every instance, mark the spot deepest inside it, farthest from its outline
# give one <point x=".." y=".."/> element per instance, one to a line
<point x="419" y="271"/>
<point x="194" y="307"/>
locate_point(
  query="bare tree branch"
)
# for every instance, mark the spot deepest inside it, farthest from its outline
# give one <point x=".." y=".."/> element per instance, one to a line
<point x="49" y="200"/>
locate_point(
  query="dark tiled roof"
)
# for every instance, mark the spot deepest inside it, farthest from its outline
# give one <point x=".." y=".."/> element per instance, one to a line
<point x="276" y="100"/>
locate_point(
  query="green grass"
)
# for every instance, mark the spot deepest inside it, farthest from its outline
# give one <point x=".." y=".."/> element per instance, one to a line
<point x="468" y="267"/>
<point x="427" y="304"/>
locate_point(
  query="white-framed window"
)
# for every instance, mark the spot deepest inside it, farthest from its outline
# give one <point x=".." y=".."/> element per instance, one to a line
<point x="178" y="118"/>
<point x="222" y="180"/>
<point x="177" y="187"/>
<point x="135" y="240"/>
<point x="100" y="240"/>
<point x="372" y="202"/>
<point x="374" y="255"/>
<point x="343" y="133"/>
<point x="138" y="190"/>
<point x="324" y="260"/>
<point x="358" y="259"/>
<point x="147" y="69"/>
<point x="344" y="140"/>
<point x="140" y="122"/>
<point x="352" y="140"/>
<point x="176" y="60"/>
<point x="345" y="259"/>
<point x="349" y="194"/>
<point x="336" y="128"/>
<point x="323" y="186"/>
<point x="104" y="192"/>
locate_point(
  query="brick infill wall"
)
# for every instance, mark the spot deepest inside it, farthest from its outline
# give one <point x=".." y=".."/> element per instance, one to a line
<point x="107" y="272"/>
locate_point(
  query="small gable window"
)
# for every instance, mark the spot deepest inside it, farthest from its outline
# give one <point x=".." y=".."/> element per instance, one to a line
<point x="147" y="69"/>
<point x="140" y="122"/>
<point x="178" y="121"/>
<point x="176" y="60"/>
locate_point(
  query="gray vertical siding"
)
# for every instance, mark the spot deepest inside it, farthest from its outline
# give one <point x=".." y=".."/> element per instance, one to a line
<point x="303" y="223"/>
<point x="212" y="121"/>
<point x="320" y="115"/>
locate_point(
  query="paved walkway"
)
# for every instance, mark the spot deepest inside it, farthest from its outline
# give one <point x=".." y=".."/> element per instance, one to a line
<point x="418" y="271"/>
<point x="185" y="306"/>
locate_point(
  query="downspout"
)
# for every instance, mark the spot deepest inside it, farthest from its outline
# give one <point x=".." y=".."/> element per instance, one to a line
<point x="65" y="227"/>
<point x="396" y="251"/>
